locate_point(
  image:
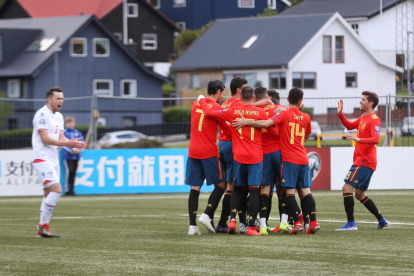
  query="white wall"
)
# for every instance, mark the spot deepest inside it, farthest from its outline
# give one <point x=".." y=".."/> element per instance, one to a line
<point x="394" y="170"/>
<point x="331" y="76"/>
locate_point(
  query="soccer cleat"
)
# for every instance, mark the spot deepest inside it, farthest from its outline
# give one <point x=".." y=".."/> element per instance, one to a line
<point x="263" y="230"/>
<point x="269" y="228"/>
<point x="222" y="229"/>
<point x="274" y="230"/>
<point x="251" y="231"/>
<point x="297" y="228"/>
<point x="242" y="228"/>
<point x="206" y="221"/>
<point x="193" y="230"/>
<point x="43" y="231"/>
<point x="349" y="226"/>
<point x="232" y="227"/>
<point x="301" y="218"/>
<point x="383" y="223"/>
<point x="313" y="228"/>
<point x="285" y="227"/>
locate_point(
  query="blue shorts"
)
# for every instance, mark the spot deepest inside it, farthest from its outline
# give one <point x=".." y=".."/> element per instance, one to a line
<point x="226" y="157"/>
<point x="295" y="176"/>
<point x="359" y="177"/>
<point x="272" y="163"/>
<point x="209" y="169"/>
<point x="247" y="174"/>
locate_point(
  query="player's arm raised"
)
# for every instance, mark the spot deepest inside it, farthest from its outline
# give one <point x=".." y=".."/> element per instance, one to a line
<point x="348" y="124"/>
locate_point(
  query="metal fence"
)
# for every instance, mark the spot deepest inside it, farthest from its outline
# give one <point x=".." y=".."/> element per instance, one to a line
<point x="150" y="116"/>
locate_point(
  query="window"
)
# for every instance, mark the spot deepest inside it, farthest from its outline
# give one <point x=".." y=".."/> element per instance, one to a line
<point x="132" y="10"/>
<point x="250" y="41"/>
<point x="332" y="110"/>
<point x="149" y="42"/>
<point x="250" y="77"/>
<point x="155" y="3"/>
<point x="128" y="88"/>
<point x="103" y="87"/>
<point x="400" y="60"/>
<point x="304" y="80"/>
<point x="118" y="36"/>
<point x="41" y="45"/>
<point x="181" y="25"/>
<point x="355" y="27"/>
<point x="327" y="49"/>
<point x="179" y="3"/>
<point x="339" y="49"/>
<point x="351" y="79"/>
<point x="277" y="80"/>
<point x="101" y="47"/>
<point x="272" y="4"/>
<point x="246" y="3"/>
<point x="195" y="81"/>
<point x="129" y="122"/>
<point x="14" y="88"/>
<point x="78" y="47"/>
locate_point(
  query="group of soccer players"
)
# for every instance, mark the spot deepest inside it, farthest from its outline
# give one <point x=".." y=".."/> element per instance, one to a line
<point x="261" y="146"/>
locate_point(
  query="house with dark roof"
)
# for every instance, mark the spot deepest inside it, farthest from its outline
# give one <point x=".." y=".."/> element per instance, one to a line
<point x="80" y="55"/>
<point x="194" y="14"/>
<point x="319" y="53"/>
<point x="378" y="30"/>
<point x="147" y="32"/>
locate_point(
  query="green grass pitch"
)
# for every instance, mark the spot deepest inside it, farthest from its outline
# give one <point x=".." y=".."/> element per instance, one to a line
<point x="147" y="235"/>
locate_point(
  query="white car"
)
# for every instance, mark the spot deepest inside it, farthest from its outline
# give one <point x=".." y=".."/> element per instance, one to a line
<point x="407" y="127"/>
<point x="316" y="130"/>
<point x="112" y="138"/>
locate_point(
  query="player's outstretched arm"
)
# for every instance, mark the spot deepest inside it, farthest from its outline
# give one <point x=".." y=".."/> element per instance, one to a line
<point x="348" y="124"/>
<point x="257" y="124"/>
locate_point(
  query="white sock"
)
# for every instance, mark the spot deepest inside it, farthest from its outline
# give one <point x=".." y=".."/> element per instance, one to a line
<point x="41" y="211"/>
<point x="284" y="218"/>
<point x="263" y="222"/>
<point x="48" y="205"/>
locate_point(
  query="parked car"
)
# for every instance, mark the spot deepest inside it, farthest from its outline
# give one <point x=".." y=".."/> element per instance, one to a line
<point x="352" y="131"/>
<point x="407" y="127"/>
<point x="316" y="130"/>
<point x="116" y="137"/>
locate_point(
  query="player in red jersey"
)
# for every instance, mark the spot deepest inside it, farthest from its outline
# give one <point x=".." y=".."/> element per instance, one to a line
<point x="203" y="159"/>
<point x="248" y="156"/>
<point x="365" y="159"/>
<point x="294" y="128"/>
<point x="226" y="156"/>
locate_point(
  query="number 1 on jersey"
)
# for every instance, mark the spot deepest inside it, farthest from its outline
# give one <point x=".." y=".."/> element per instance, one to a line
<point x="294" y="131"/>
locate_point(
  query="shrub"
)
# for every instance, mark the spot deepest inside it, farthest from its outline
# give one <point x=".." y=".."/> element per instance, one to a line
<point x="307" y="110"/>
<point x="16" y="132"/>
<point x="176" y="114"/>
<point x="141" y="144"/>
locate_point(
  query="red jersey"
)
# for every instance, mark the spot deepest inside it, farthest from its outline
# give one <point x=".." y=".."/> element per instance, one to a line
<point x="232" y="102"/>
<point x="271" y="141"/>
<point x="293" y="127"/>
<point x="369" y="126"/>
<point x="247" y="141"/>
<point x="203" y="132"/>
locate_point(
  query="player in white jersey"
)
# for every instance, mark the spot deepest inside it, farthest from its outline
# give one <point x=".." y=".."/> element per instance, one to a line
<point x="47" y="137"/>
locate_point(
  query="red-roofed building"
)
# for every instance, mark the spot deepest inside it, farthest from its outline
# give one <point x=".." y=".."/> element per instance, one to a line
<point x="147" y="32"/>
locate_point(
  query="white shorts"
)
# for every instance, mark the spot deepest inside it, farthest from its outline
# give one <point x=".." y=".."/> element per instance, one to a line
<point x="48" y="172"/>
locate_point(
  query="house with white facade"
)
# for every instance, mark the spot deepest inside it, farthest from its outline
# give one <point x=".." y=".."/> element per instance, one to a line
<point x="319" y="53"/>
<point x="384" y="32"/>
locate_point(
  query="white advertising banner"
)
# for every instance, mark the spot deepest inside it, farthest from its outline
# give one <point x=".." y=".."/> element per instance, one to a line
<point x="395" y="168"/>
<point x="17" y="176"/>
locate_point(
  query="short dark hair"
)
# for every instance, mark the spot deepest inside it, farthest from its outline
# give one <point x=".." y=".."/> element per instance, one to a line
<point x="260" y="92"/>
<point x="235" y="83"/>
<point x="50" y="92"/>
<point x="274" y="96"/>
<point x="372" y="98"/>
<point x="215" y="85"/>
<point x="247" y="93"/>
<point x="295" y="95"/>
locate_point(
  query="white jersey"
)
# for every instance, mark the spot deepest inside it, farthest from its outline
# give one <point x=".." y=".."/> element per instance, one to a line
<point x="46" y="120"/>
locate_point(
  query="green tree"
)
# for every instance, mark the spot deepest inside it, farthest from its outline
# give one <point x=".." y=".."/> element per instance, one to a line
<point x="295" y="2"/>
<point x="6" y="109"/>
<point x="187" y="37"/>
<point x="267" y="12"/>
